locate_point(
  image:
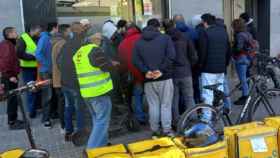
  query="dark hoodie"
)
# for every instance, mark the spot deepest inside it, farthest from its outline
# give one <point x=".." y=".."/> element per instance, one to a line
<point x="188" y="31"/>
<point x="154" y="51"/>
<point x="66" y="64"/>
<point x="186" y="55"/>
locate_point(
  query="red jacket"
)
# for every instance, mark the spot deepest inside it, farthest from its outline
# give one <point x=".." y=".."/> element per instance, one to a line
<point x="125" y="53"/>
<point x="9" y="62"/>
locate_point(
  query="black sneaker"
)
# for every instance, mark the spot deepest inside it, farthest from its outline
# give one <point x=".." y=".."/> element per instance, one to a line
<point x="156" y="135"/>
<point x="48" y="124"/>
<point x="68" y="137"/>
<point x="169" y="133"/>
<point x="16" y="125"/>
<point x="241" y="101"/>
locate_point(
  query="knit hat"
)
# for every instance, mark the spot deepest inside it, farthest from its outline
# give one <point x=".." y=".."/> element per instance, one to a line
<point x="196" y="20"/>
<point x="108" y="30"/>
<point x="85" y="22"/>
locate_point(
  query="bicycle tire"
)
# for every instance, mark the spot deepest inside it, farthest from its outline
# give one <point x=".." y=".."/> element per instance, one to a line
<point x="183" y="121"/>
<point x="257" y="105"/>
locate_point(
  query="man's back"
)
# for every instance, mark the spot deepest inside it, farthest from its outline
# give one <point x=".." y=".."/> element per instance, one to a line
<point x="218" y="49"/>
<point x="65" y="62"/>
<point x="156" y="52"/>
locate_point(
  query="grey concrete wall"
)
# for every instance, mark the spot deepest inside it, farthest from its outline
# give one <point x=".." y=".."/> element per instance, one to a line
<point x="10" y="15"/>
<point x="189" y="8"/>
<point x="275" y="27"/>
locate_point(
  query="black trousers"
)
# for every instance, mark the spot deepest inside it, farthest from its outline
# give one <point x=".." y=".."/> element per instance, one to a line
<point x="12" y="102"/>
<point x="59" y="98"/>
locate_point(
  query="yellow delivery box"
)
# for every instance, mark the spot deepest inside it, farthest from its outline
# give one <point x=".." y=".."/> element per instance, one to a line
<point x="260" y="142"/>
<point x="230" y="134"/>
<point x="158" y="148"/>
<point x="218" y="150"/>
<point x="117" y="151"/>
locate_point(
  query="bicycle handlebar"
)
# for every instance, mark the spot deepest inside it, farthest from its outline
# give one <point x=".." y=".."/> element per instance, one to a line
<point x="30" y="86"/>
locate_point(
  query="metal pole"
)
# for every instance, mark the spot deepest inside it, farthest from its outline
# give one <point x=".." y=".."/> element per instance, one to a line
<point x="22" y="16"/>
<point x="27" y="123"/>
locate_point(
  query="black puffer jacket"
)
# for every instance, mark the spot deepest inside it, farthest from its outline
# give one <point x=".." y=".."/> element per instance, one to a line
<point x="216" y="55"/>
<point x="186" y="55"/>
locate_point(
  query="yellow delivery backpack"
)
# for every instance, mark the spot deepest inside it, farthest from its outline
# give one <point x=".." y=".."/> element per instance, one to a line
<point x="158" y="148"/>
<point x="218" y="150"/>
<point x="15" y="153"/>
<point x="274" y="122"/>
<point x="117" y="151"/>
<point x="230" y="134"/>
<point x="260" y="142"/>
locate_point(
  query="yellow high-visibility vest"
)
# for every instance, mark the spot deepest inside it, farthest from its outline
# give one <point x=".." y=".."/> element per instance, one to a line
<point x="30" y="49"/>
<point x="92" y="80"/>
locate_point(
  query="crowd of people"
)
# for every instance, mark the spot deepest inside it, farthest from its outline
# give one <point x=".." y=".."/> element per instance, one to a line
<point x="168" y="62"/>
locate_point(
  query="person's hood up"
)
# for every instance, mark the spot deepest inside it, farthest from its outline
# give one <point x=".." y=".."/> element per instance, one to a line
<point x="108" y="30"/>
<point x="182" y="26"/>
<point x="250" y="21"/>
<point x="131" y="32"/>
<point x="196" y="20"/>
<point x="150" y="33"/>
<point x="175" y="34"/>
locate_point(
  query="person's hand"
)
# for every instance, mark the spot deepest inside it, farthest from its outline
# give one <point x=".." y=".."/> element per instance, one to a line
<point x="13" y="79"/>
<point x="116" y="63"/>
<point x="149" y="75"/>
<point x="156" y="74"/>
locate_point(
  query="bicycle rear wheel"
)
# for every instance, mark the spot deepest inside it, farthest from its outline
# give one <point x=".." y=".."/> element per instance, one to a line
<point x="193" y="116"/>
<point x="265" y="106"/>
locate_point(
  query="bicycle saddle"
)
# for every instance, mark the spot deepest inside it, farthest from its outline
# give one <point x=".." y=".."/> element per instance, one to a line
<point x="213" y="87"/>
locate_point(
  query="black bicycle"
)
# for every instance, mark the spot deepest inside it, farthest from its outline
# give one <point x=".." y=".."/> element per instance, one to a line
<point x="262" y="102"/>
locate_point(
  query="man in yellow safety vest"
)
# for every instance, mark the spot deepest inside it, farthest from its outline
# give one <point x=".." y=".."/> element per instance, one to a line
<point x="26" y="47"/>
<point x="93" y="73"/>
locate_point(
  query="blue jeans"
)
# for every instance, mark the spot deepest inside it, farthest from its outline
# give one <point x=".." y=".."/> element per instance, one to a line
<point x="100" y="109"/>
<point x="73" y="103"/>
<point x="29" y="74"/>
<point x="227" y="100"/>
<point x="208" y="95"/>
<point x="138" y="93"/>
<point x="242" y="65"/>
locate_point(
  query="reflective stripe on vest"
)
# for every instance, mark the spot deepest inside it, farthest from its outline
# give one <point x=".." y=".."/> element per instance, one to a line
<point x="30" y="49"/>
<point x="92" y="80"/>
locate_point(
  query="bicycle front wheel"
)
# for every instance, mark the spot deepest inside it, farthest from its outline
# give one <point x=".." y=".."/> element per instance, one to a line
<point x="193" y="116"/>
<point x="265" y="106"/>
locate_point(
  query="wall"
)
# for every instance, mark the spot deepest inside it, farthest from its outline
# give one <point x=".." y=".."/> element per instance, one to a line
<point x="189" y="8"/>
<point x="10" y="15"/>
<point x="39" y="12"/>
<point x="275" y="28"/>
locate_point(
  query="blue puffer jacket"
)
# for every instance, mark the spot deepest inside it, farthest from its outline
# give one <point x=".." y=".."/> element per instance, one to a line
<point x="190" y="32"/>
<point x="43" y="53"/>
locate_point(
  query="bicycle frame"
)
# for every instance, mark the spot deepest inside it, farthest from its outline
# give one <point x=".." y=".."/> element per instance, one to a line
<point x="255" y="88"/>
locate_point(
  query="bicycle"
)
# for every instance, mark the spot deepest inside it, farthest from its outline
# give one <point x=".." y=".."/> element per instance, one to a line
<point x="259" y="99"/>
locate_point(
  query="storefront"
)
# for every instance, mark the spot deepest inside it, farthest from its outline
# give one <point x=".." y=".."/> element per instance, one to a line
<point x="138" y="11"/>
